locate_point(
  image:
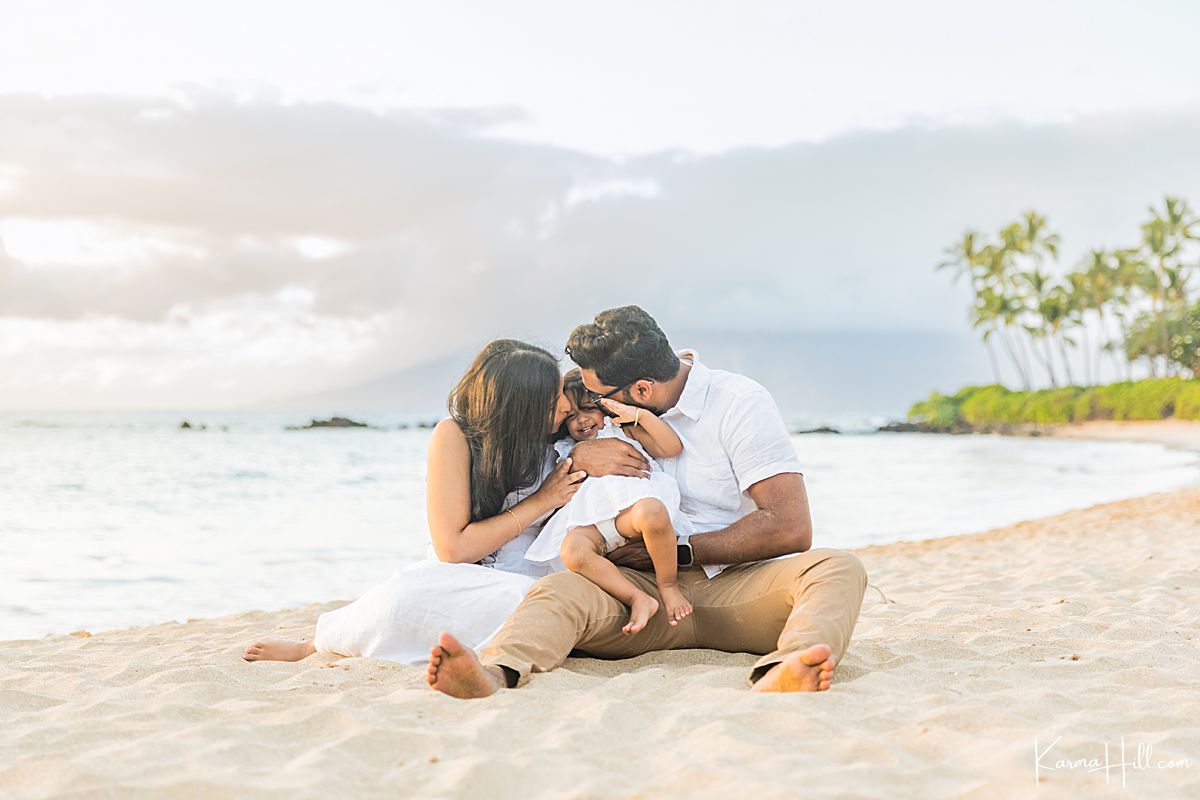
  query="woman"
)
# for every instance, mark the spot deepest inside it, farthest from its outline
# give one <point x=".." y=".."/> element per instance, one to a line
<point x="491" y="482"/>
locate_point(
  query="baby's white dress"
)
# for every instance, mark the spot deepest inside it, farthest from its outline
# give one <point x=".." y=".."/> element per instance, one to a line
<point x="400" y="619"/>
<point x="599" y="500"/>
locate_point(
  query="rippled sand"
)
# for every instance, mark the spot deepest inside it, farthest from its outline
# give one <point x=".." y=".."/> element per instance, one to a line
<point x="1082" y="626"/>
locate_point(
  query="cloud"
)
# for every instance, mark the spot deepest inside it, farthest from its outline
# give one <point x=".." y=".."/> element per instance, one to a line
<point x="198" y="221"/>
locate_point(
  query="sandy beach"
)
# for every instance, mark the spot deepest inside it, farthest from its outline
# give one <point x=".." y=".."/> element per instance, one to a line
<point x="1077" y="631"/>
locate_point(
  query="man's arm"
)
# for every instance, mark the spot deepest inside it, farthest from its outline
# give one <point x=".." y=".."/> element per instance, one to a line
<point x="600" y="457"/>
<point x="779" y="526"/>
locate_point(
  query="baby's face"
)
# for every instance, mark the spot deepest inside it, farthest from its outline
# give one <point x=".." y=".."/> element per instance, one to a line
<point x="586" y="420"/>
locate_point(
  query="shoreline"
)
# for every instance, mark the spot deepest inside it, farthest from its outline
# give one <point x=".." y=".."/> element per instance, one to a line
<point x="1170" y="432"/>
<point x="1078" y="629"/>
<point x="1176" y="434"/>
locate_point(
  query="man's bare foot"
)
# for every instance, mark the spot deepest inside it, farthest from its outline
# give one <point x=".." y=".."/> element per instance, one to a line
<point x="641" y="610"/>
<point x="809" y="670"/>
<point x="275" y="650"/>
<point x="456" y="671"/>
<point x="677" y="605"/>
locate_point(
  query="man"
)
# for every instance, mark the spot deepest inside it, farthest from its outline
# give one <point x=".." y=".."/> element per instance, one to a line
<point x="743" y="494"/>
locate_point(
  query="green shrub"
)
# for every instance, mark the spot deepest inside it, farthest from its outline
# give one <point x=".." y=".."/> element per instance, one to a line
<point x="938" y="411"/>
<point x="1051" y="406"/>
<point x="983" y="407"/>
<point x="1153" y="398"/>
<point x="990" y="405"/>
<point x="1092" y="404"/>
<point x="1187" y="402"/>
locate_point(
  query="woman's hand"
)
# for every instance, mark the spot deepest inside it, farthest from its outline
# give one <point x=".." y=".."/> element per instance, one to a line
<point x="622" y="413"/>
<point x="559" y="485"/>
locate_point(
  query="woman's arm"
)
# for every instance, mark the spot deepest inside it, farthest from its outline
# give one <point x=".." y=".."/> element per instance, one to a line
<point x="659" y="439"/>
<point x="448" y="500"/>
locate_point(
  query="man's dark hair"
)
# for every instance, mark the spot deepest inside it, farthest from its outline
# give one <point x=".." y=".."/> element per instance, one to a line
<point x="622" y="346"/>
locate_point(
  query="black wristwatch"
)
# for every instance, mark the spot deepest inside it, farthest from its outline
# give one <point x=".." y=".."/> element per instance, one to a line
<point x="686" y="556"/>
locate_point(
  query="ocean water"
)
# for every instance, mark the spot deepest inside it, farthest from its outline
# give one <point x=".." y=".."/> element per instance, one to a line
<point x="109" y="520"/>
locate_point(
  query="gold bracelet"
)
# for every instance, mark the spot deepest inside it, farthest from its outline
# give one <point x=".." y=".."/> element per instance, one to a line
<point x="520" y="527"/>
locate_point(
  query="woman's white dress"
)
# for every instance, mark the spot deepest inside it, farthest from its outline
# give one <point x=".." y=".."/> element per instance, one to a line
<point x="600" y="499"/>
<point x="400" y="619"/>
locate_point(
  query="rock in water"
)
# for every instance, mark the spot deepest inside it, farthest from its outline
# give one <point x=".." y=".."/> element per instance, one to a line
<point x="335" y="422"/>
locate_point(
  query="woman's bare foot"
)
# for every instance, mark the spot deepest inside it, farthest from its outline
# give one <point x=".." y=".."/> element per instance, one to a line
<point x="456" y="671"/>
<point x="809" y="670"/>
<point x="677" y="605"/>
<point x="641" y="610"/>
<point x="275" y="650"/>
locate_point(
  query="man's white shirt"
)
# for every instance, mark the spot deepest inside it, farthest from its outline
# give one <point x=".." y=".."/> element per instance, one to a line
<point x="733" y="437"/>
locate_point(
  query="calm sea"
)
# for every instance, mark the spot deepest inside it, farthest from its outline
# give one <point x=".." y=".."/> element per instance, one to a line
<point x="110" y="520"/>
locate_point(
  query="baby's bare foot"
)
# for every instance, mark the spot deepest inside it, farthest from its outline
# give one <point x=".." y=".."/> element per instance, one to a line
<point x="641" y="610"/>
<point x="677" y="605"/>
<point x="275" y="650"/>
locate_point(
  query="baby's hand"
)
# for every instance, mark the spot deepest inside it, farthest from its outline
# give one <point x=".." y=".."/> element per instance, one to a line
<point x="622" y="413"/>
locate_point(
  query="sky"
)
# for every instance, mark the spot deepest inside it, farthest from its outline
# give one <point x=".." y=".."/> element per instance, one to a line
<point x="206" y="205"/>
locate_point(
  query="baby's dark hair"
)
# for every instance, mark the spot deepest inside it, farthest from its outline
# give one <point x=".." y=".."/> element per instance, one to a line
<point x="573" y="386"/>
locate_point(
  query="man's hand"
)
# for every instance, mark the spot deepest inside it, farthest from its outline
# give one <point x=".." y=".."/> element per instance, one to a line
<point x="633" y="555"/>
<point x="609" y="457"/>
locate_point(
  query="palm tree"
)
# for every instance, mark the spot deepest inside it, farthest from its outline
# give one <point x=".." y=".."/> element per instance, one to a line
<point x="964" y="259"/>
<point x="1004" y="301"/>
<point x="1039" y="309"/>
<point x="1081" y="294"/>
<point x="1163" y="240"/>
<point x="1132" y="277"/>
<point x="1101" y="281"/>
<point x="1027" y="242"/>
<point x="1059" y="313"/>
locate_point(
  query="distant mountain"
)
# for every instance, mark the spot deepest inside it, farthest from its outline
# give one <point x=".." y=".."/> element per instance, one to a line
<point x="826" y="375"/>
<point x="814" y="375"/>
<point x="419" y="390"/>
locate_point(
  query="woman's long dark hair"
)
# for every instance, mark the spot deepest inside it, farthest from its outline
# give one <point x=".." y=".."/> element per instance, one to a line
<point x="504" y="404"/>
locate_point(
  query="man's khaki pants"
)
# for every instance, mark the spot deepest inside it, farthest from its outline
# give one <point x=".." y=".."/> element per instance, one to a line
<point x="770" y="608"/>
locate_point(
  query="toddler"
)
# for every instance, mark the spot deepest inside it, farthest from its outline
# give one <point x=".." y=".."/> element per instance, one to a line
<point x="610" y="511"/>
